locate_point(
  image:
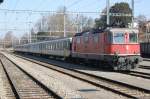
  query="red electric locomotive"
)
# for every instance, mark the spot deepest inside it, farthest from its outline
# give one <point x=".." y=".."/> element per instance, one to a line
<point x="118" y="47"/>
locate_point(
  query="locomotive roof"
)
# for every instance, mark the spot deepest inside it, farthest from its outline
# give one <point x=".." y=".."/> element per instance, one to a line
<point x="93" y="31"/>
<point x="122" y="30"/>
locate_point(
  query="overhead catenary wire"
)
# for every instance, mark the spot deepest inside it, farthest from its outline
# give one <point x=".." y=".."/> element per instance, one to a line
<point x="9" y="19"/>
<point x="45" y="12"/>
<point x="39" y="5"/>
<point x="38" y="12"/>
<point x="74" y="3"/>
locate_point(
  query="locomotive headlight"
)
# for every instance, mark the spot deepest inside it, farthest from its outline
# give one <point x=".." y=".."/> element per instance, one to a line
<point x="127" y="47"/>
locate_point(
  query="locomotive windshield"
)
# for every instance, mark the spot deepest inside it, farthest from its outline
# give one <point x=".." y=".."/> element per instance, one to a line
<point x="133" y="38"/>
<point x="119" y="37"/>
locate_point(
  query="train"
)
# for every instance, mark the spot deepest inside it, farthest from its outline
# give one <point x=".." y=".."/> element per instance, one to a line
<point x="145" y="49"/>
<point x="117" y="47"/>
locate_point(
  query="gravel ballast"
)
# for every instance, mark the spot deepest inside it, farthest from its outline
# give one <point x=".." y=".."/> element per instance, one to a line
<point x="64" y="85"/>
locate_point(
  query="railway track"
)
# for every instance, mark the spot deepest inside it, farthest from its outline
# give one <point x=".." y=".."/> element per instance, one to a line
<point x="146" y="59"/>
<point x="23" y="84"/>
<point x="6" y="91"/>
<point x="144" y="67"/>
<point x="137" y="74"/>
<point x="108" y="84"/>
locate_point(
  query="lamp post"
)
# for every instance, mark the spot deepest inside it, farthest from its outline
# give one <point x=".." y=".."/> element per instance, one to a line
<point x="132" y="13"/>
<point x="64" y="13"/>
<point x="108" y="8"/>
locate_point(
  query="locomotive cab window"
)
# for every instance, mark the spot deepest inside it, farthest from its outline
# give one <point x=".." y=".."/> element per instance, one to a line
<point x="133" y="38"/>
<point x="119" y="37"/>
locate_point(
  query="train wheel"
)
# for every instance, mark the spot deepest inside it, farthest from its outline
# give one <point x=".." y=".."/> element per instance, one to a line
<point x="115" y="68"/>
<point x="134" y="66"/>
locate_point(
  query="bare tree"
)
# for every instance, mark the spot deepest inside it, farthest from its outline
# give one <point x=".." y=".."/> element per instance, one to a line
<point x="53" y="25"/>
<point x="85" y="23"/>
<point x="24" y="39"/>
<point x="8" y="39"/>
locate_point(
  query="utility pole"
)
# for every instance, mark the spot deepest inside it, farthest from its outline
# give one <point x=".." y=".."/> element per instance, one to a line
<point x="64" y="13"/>
<point x="77" y="23"/>
<point x="29" y="41"/>
<point x="64" y="21"/>
<point x="132" y="13"/>
<point x="108" y="12"/>
<point x="108" y="8"/>
<point x="29" y="32"/>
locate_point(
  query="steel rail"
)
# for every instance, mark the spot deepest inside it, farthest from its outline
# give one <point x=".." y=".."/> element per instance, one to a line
<point x="50" y="92"/>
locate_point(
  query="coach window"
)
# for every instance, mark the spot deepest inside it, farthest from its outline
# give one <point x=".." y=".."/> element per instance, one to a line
<point x="68" y="45"/>
<point x="133" y="37"/>
<point x="65" y="45"/>
<point x="56" y="45"/>
<point x="59" y="45"/>
<point x="51" y="46"/>
<point x="62" y="45"/>
<point x="44" y="46"/>
<point x="48" y="46"/>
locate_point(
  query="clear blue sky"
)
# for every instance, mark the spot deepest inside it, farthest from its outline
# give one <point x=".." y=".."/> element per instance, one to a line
<point x="10" y="20"/>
